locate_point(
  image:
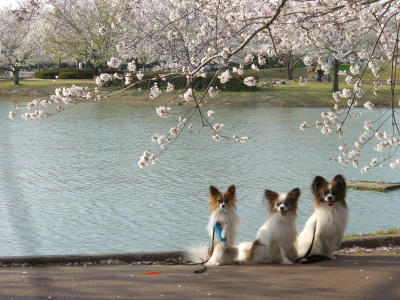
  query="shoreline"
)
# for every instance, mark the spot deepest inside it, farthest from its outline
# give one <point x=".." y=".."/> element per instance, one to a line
<point x="314" y="94"/>
<point x="166" y="257"/>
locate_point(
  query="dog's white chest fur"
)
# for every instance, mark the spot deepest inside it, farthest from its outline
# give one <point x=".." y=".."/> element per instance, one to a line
<point x="229" y="222"/>
<point x="278" y="234"/>
<point x="331" y="223"/>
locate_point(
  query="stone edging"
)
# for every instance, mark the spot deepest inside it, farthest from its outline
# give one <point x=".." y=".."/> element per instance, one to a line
<point x="163" y="256"/>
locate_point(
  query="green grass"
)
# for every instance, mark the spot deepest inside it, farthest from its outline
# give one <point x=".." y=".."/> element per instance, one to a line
<point x="31" y="88"/>
<point x="376" y="233"/>
<point x="313" y="94"/>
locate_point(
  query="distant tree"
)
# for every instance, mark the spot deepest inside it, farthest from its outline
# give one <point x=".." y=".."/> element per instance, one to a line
<point x="82" y="30"/>
<point x="19" y="41"/>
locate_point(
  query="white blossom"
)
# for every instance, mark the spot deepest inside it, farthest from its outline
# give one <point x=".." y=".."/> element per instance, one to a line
<point x="114" y="62"/>
<point x="349" y="79"/>
<point x="369" y="105"/>
<point x="163" y="111"/>
<point x="225" y="76"/>
<point x="128" y="77"/>
<point x="213" y="92"/>
<point x="161" y="139"/>
<point x="336" y="96"/>
<point x="173" y="131"/>
<point x="154" y="137"/>
<point x="346" y="93"/>
<point x="355" y="70"/>
<point x="131" y="66"/>
<point x="188" y="96"/>
<point x="307" y="60"/>
<point x="170" y="87"/>
<point x="261" y="60"/>
<point x="250" y="81"/>
<point x="218" y="127"/>
<point x="249" y="58"/>
<point x="244" y="139"/>
<point x="140" y="75"/>
<point x="216" y="136"/>
<point x="154" y="91"/>
<point x="254" y="67"/>
<point x="11" y="115"/>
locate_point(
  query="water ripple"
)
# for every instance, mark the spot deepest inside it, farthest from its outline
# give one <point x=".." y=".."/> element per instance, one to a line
<point x="71" y="184"/>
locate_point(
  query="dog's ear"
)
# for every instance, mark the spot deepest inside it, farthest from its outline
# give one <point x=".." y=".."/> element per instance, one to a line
<point x="339" y="181"/>
<point x="340" y="186"/>
<point x="270" y="195"/>
<point x="231" y="190"/>
<point x="294" y="194"/>
<point x="214" y="192"/>
<point x="317" y="183"/>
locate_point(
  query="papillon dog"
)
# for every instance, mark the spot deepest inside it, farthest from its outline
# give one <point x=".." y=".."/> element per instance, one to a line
<point x="328" y="221"/>
<point x="275" y="242"/>
<point x="222" y="228"/>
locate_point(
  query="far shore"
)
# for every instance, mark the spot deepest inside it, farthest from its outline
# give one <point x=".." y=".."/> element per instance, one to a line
<point x="288" y="94"/>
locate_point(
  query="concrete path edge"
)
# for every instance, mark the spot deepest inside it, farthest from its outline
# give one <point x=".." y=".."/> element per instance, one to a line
<point x="165" y="256"/>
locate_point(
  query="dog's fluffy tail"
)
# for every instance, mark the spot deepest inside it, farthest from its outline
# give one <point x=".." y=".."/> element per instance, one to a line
<point x="196" y="253"/>
<point x="244" y="252"/>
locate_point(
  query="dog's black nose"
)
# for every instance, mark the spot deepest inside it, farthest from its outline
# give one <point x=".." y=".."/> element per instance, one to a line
<point x="223" y="205"/>
<point x="281" y="208"/>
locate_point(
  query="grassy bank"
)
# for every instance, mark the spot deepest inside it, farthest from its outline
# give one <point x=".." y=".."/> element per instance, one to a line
<point x="313" y="94"/>
<point x="392" y="231"/>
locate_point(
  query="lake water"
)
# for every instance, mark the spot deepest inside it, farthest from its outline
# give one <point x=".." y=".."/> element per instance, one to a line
<point x="71" y="184"/>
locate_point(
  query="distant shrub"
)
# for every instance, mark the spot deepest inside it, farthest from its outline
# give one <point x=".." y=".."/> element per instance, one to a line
<point x="76" y="74"/>
<point x="47" y="74"/>
<point x="64" y="74"/>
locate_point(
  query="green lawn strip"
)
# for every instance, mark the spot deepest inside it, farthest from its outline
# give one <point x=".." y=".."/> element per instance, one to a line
<point x="392" y="231"/>
<point x="313" y="94"/>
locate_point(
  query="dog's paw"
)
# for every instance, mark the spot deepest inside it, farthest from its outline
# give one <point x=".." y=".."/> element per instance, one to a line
<point x="331" y="256"/>
<point x="285" y="261"/>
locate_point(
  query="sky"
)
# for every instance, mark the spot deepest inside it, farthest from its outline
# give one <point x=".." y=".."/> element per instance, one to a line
<point x="8" y="3"/>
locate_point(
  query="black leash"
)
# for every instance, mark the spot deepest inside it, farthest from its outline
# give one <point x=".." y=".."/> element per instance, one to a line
<point x="307" y="255"/>
<point x="204" y="268"/>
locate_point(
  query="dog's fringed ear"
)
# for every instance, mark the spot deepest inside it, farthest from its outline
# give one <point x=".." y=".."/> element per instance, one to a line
<point x="294" y="194"/>
<point x="340" y="181"/>
<point x="214" y="191"/>
<point x="318" y="181"/>
<point x="270" y="195"/>
<point x="231" y="190"/>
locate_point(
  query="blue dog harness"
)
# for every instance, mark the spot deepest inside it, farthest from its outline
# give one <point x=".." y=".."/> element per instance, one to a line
<point x="218" y="231"/>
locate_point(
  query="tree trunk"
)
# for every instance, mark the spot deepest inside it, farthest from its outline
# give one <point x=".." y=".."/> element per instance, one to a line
<point x="335" y="82"/>
<point x="290" y="66"/>
<point x="15" y="72"/>
<point x="290" y="72"/>
<point x="136" y="63"/>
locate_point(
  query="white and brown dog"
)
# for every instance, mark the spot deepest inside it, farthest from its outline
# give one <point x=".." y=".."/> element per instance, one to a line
<point x="222" y="227"/>
<point x="328" y="220"/>
<point x="275" y="242"/>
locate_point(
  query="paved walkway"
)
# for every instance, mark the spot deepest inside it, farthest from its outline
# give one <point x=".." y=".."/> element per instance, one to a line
<point x="363" y="276"/>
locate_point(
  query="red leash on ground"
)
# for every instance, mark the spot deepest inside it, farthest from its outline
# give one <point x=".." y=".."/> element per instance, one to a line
<point x="152" y="273"/>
